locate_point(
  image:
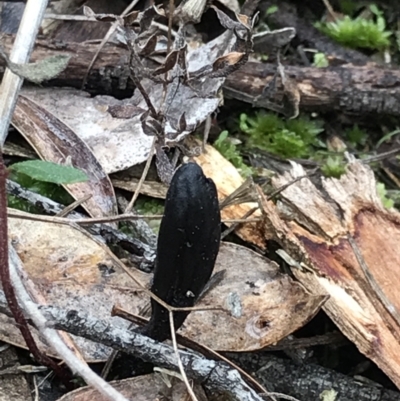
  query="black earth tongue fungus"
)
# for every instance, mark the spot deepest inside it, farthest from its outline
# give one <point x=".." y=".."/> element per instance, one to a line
<point x="188" y="245"/>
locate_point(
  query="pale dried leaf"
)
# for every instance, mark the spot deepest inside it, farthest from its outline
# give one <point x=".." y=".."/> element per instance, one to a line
<point x="56" y="142"/>
<point x="43" y="70"/>
<point x="75" y="271"/>
<point x="116" y="143"/>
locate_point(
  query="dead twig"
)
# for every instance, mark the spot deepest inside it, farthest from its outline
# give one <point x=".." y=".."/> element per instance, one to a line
<point x="23" y="45"/>
<point x="112" y="29"/>
<point x="142" y="178"/>
<point x="53" y="338"/>
<point x="214" y="375"/>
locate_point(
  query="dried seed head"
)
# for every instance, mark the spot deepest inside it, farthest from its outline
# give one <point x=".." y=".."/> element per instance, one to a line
<point x="191" y="11"/>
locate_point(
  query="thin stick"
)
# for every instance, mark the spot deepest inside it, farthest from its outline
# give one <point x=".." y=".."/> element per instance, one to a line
<point x="73" y="206"/>
<point x="243" y="220"/>
<point x="112" y="29"/>
<point x="69" y="17"/>
<point x="81" y="222"/>
<point x="53" y="339"/>
<point x="142" y="178"/>
<point x="20" y="53"/>
<point x="215" y="375"/>
<point x="234" y="225"/>
<point x="181" y="368"/>
<point x="330" y="9"/>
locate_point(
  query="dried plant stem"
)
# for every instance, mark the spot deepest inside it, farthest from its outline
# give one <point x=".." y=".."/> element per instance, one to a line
<point x="142" y="178"/>
<point x="181" y="369"/>
<point x="106" y="38"/>
<point x="68" y="209"/>
<point x="81" y="222"/>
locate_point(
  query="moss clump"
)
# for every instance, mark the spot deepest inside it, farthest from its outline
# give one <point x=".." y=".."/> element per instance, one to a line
<point x="289" y="139"/>
<point x="320" y="60"/>
<point x="145" y="205"/>
<point x="333" y="166"/>
<point x="359" y="32"/>
<point x="382" y="193"/>
<point x="356" y="136"/>
<point x="229" y="150"/>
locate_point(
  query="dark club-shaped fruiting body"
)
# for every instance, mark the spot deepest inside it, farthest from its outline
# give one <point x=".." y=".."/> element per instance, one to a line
<point x="188" y="245"/>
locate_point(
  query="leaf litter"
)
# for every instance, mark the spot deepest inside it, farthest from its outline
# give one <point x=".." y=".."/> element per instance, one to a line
<point x="74" y="270"/>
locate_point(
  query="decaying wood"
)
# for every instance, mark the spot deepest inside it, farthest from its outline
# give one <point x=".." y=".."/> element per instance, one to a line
<point x="344" y="243"/>
<point x="309" y="381"/>
<point x="347" y="88"/>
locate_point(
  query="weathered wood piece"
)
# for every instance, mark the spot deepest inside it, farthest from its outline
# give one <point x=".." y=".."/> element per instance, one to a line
<point x="342" y="242"/>
<point x="348" y="88"/>
<point x="309" y="382"/>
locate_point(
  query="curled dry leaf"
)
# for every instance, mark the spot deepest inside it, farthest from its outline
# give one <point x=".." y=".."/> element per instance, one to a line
<point x="43" y="70"/>
<point x="190" y="11"/>
<point x="117" y="143"/>
<point x="223" y="65"/>
<point x="56" y="142"/>
<point x="345" y="244"/>
<point x="75" y="271"/>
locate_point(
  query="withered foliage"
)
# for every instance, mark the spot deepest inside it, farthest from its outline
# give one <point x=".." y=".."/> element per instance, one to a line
<point x="173" y="87"/>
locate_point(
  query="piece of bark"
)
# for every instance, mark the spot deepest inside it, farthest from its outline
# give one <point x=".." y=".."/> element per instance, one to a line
<point x="342" y="242"/>
<point x="361" y="90"/>
<point x="308" y="381"/>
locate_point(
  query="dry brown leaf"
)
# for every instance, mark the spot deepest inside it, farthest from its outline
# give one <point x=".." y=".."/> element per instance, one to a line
<point x="227" y="179"/>
<point x="272" y="305"/>
<point x="56" y="142"/>
<point x="75" y="271"/>
<point x="346" y="246"/>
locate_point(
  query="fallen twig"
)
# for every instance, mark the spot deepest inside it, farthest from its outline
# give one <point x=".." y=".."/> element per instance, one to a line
<point x="216" y="376"/>
<point x="23" y="45"/>
<point x="53" y="338"/>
